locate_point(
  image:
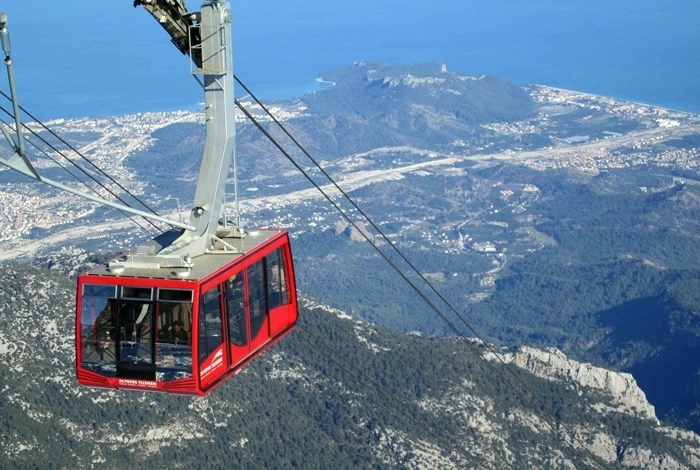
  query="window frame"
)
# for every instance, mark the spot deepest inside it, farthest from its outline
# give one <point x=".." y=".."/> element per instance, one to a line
<point x="204" y="335"/>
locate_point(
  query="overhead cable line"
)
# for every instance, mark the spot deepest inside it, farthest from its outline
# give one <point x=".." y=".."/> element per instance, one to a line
<point x="386" y="239"/>
<point x="554" y="424"/>
<point x="390" y="398"/>
<point x="86" y="173"/>
<point x="109" y="191"/>
<point x="119" y="185"/>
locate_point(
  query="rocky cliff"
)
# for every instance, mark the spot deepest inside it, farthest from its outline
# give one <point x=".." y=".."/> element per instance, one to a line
<point x="552" y="364"/>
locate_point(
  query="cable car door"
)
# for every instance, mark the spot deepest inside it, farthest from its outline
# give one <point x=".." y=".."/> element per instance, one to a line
<point x="135" y="339"/>
<point x="212" y="352"/>
<point x="236" y="312"/>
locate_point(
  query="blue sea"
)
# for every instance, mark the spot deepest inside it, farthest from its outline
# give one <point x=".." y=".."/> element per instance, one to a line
<point x="83" y="58"/>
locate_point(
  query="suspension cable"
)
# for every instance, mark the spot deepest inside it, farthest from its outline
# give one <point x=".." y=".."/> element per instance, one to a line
<point x="554" y="424"/>
<point x="386" y="239"/>
<point x="68" y="170"/>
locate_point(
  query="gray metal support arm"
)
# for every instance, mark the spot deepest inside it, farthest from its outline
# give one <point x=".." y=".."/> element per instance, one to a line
<point x="19" y="145"/>
<point x="15" y="165"/>
<point x="217" y="77"/>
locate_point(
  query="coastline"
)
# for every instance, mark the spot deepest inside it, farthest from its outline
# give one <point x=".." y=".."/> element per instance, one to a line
<point x="295" y="91"/>
<point x="626" y="100"/>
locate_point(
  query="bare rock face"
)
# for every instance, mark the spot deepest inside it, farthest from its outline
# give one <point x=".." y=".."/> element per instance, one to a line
<point x="604" y="447"/>
<point x="340" y="227"/>
<point x="354" y="234"/>
<point x="643" y="458"/>
<point x="552" y="364"/>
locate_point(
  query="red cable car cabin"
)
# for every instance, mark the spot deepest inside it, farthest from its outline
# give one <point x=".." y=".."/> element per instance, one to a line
<point x="186" y="331"/>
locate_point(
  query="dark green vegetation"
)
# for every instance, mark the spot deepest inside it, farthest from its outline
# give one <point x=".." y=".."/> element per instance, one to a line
<point x="172" y="163"/>
<point x="688" y="142"/>
<point x="438" y="405"/>
<point x="352" y="275"/>
<point x="620" y="286"/>
<point x="375" y="105"/>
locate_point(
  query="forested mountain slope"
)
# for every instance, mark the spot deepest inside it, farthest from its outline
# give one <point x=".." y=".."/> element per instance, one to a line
<point x="338" y="392"/>
<point x="548" y="218"/>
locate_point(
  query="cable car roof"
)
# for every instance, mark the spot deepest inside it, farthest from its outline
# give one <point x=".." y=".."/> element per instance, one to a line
<point x="203" y="265"/>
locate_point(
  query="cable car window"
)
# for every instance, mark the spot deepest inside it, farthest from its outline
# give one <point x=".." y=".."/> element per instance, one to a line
<point x="210" y="326"/>
<point x="175" y="295"/>
<point x="91" y="290"/>
<point x="135" y="346"/>
<point x="98" y="331"/>
<point x="235" y="309"/>
<point x="137" y="293"/>
<point x="277" y="292"/>
<point x="257" y="300"/>
<point x="174" y="345"/>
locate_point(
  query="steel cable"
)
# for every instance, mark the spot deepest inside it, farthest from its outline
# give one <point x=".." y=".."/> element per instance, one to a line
<point x="554" y="424"/>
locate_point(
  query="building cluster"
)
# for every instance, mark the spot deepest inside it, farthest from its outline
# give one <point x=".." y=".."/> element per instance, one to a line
<point x="663" y="117"/>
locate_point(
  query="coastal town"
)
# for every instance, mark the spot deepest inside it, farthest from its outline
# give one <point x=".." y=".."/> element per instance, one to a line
<point x="582" y="132"/>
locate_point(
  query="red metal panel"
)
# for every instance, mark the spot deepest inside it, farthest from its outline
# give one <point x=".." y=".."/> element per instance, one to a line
<point x="184" y="386"/>
<point x="238" y="353"/>
<point x="238" y="367"/>
<point x="216" y="368"/>
<point x="294" y="310"/>
<point x="78" y="333"/>
<point x="278" y="319"/>
<point x="194" y="338"/>
<point x="213" y="367"/>
<point x="91" y="379"/>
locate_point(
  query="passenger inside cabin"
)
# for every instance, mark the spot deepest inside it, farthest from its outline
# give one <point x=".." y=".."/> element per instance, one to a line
<point x="176" y="334"/>
<point x="104" y="327"/>
<point x="179" y="333"/>
<point x="175" y="322"/>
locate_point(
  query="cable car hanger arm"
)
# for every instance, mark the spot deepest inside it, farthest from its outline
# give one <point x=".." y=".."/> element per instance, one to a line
<point x="203" y="234"/>
<point x="206" y="37"/>
<point x="18" y="146"/>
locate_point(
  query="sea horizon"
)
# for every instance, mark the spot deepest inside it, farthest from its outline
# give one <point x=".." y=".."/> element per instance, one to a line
<point x="121" y="61"/>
